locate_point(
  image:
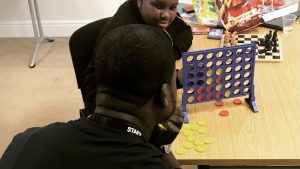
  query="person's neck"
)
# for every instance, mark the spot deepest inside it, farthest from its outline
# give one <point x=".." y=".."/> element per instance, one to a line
<point x="119" y="109"/>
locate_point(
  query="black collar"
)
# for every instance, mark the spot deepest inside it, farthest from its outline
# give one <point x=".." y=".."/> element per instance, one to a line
<point x="116" y="124"/>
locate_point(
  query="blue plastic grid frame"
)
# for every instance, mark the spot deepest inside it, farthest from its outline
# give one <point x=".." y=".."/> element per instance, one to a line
<point x="217" y="74"/>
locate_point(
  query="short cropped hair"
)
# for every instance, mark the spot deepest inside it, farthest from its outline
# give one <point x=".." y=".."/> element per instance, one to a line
<point x="133" y="61"/>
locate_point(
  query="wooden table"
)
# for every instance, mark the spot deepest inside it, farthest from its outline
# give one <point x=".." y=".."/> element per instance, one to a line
<point x="269" y="137"/>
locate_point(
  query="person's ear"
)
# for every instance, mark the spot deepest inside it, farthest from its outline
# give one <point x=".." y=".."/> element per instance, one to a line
<point x="140" y="3"/>
<point x="165" y="94"/>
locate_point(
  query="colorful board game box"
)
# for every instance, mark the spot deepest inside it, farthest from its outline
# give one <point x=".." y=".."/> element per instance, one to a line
<point x="215" y="33"/>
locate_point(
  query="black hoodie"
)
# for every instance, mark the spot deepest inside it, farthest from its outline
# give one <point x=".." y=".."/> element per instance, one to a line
<point x="128" y="13"/>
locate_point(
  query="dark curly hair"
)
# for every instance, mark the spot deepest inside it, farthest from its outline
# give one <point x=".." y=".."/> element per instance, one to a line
<point x="133" y="61"/>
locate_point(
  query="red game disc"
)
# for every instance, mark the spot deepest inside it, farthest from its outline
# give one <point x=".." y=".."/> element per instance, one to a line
<point x="237" y="101"/>
<point x="219" y="103"/>
<point x="224" y="113"/>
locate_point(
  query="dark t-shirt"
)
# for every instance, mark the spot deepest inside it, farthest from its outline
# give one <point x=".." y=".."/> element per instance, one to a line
<point x="80" y="144"/>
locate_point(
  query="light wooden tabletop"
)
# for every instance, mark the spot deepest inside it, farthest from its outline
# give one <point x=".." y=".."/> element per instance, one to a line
<point x="269" y="137"/>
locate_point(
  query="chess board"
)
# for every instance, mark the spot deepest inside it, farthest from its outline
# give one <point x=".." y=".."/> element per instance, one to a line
<point x="268" y="56"/>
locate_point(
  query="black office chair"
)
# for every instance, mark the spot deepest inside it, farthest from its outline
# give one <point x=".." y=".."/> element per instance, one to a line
<point x="82" y="43"/>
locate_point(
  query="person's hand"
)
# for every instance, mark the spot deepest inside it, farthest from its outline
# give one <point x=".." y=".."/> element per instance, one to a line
<point x="171" y="127"/>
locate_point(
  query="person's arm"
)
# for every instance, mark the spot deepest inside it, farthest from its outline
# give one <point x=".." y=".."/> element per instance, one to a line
<point x="170" y="129"/>
<point x="182" y="36"/>
<point x="15" y="148"/>
<point x="171" y="160"/>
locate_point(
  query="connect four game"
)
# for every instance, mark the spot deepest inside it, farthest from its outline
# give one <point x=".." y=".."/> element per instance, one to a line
<point x="220" y="73"/>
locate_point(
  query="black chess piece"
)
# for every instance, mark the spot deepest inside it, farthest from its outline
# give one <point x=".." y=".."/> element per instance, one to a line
<point x="275" y="46"/>
<point x="267" y="37"/>
<point x="263" y="41"/>
<point x="274" y="37"/>
<point x="270" y="34"/>
<point x="262" y="50"/>
<point x="269" y="48"/>
<point x="267" y="44"/>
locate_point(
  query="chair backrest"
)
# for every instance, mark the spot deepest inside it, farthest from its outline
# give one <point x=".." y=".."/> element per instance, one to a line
<point x="82" y="43"/>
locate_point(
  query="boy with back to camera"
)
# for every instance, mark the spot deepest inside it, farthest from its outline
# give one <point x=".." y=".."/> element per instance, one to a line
<point x="120" y="132"/>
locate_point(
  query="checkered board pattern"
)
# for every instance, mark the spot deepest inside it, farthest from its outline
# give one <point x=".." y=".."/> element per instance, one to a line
<point x="268" y="56"/>
<point x="216" y="74"/>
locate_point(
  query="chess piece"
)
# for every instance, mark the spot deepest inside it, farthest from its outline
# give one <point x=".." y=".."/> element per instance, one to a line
<point x="268" y="45"/>
<point x="267" y="37"/>
<point x="275" y="46"/>
<point x="274" y="37"/>
<point x="270" y="34"/>
<point x="262" y="50"/>
<point x="262" y="42"/>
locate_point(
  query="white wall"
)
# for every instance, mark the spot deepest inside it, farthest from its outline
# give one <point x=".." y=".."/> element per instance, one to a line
<point x="59" y="17"/>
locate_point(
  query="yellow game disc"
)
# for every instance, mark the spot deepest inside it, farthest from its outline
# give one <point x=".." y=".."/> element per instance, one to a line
<point x="188" y="145"/>
<point x="193" y="126"/>
<point x="198" y="142"/>
<point x="200" y="149"/>
<point x="219" y="87"/>
<point x="219" y="71"/>
<point x="202" y="130"/>
<point x="191" y="99"/>
<point x="187" y="133"/>
<point x="182" y="130"/>
<point x="227" y="93"/>
<point x="180" y="150"/>
<point x="209" y="73"/>
<point x="185" y="127"/>
<point x="208" y="140"/>
<point x="191" y="138"/>
<point x="202" y="122"/>
<point x="209" y="81"/>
